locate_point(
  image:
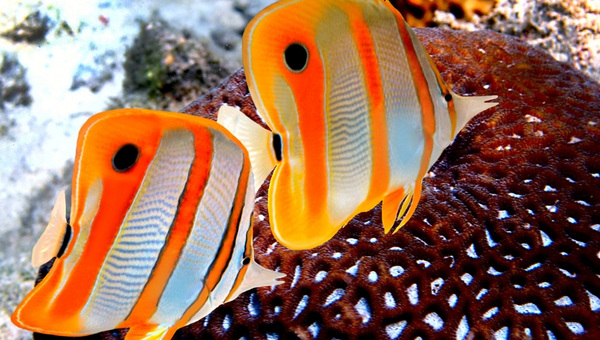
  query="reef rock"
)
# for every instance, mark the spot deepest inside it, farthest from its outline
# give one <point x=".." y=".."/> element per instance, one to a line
<point x="506" y="238"/>
<point x="32" y="29"/>
<point x="421" y="13"/>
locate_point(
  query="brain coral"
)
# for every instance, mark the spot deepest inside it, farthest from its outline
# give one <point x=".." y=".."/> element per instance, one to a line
<point x="505" y="241"/>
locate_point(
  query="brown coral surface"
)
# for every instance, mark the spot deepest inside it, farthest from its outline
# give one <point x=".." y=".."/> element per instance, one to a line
<point x="505" y="240"/>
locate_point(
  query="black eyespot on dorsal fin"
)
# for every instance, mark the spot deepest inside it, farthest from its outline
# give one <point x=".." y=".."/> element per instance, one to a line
<point x="277" y="146"/>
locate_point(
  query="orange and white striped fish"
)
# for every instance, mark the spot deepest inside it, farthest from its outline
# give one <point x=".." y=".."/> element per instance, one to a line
<point x="358" y="111"/>
<point x="160" y="230"/>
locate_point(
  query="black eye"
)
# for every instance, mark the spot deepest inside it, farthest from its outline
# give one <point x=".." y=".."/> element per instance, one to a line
<point x="277" y="146"/>
<point x="246" y="261"/>
<point x="125" y="157"/>
<point x="295" y="57"/>
<point x="448" y="97"/>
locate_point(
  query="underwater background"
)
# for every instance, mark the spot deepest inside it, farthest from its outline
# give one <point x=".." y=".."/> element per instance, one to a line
<point x="62" y="61"/>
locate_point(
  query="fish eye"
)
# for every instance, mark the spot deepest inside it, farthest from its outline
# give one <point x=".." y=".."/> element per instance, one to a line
<point x="125" y="157"/>
<point x="295" y="57"/>
<point x="246" y="261"/>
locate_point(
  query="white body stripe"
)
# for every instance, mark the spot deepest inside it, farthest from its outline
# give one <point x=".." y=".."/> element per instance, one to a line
<point x="204" y="242"/>
<point x="225" y="285"/>
<point x="293" y="148"/>
<point x="136" y="249"/>
<point x="402" y="108"/>
<point x="250" y="75"/>
<point x="286" y="104"/>
<point x="349" y="154"/>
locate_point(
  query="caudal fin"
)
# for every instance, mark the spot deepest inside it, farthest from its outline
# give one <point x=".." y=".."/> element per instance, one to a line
<point x="256" y="276"/>
<point x="257" y="140"/>
<point x="468" y="107"/>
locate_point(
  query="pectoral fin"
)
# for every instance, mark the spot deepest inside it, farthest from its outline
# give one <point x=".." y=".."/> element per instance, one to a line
<point x="257" y="140"/>
<point x="51" y="240"/>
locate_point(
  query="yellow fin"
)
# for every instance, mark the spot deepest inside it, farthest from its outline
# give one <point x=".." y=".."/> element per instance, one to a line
<point x="256" y="276"/>
<point x="257" y="140"/>
<point x="149" y="332"/>
<point x="51" y="240"/>
<point x="468" y="107"/>
<point x="405" y="206"/>
<point x="390" y="207"/>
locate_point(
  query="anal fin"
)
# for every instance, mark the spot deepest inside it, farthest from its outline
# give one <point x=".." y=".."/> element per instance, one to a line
<point x="389" y="208"/>
<point x="400" y="205"/>
<point x="257" y="140"/>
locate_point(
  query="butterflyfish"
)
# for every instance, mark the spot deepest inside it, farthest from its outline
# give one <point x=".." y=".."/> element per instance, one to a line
<point x="357" y="109"/>
<point x="159" y="232"/>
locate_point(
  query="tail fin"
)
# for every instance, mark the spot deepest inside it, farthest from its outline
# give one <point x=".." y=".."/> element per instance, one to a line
<point x="256" y="276"/>
<point x="468" y="107"/>
<point x="51" y="240"/>
<point x="256" y="140"/>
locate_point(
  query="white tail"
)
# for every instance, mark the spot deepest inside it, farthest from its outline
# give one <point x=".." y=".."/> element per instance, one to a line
<point x="468" y="107"/>
<point x="257" y="140"/>
<point x="51" y="240"/>
<point x="256" y="276"/>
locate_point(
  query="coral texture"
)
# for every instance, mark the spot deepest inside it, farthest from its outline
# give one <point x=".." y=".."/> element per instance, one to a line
<point x="505" y="240"/>
<point x="568" y="29"/>
<point x="420" y="13"/>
